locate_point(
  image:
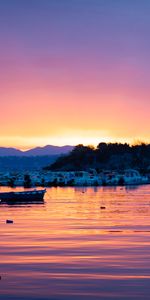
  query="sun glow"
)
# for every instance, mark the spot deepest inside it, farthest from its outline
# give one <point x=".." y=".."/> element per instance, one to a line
<point x="25" y="143"/>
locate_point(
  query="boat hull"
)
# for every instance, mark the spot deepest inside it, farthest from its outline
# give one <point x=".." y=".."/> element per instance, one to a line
<point x="24" y="196"/>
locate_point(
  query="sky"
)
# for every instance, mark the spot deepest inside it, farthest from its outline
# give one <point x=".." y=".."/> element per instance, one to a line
<point x="74" y="71"/>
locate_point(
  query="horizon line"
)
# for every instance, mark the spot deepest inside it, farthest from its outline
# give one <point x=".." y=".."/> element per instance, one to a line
<point x="25" y="149"/>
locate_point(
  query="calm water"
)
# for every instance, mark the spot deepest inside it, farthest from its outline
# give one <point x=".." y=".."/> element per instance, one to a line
<point x="69" y="248"/>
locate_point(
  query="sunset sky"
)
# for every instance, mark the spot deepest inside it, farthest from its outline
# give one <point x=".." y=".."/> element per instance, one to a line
<point x="74" y="71"/>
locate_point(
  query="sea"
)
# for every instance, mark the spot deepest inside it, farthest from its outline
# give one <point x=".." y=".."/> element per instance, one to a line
<point x="83" y="243"/>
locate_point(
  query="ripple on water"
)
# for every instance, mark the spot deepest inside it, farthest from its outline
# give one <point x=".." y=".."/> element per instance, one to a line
<point x="69" y="248"/>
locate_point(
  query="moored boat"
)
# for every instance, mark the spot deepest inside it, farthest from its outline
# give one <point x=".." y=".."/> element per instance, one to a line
<point x="23" y="196"/>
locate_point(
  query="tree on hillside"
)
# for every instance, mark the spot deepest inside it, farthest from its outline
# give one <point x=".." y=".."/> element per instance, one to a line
<point x="105" y="156"/>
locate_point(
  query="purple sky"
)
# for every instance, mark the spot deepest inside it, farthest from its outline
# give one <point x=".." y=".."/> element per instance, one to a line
<point x="74" y="70"/>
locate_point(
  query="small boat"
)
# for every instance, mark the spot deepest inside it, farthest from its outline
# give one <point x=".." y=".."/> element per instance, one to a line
<point x="23" y="196"/>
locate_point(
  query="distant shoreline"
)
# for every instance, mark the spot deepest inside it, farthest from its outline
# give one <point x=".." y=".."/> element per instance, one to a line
<point x="43" y="178"/>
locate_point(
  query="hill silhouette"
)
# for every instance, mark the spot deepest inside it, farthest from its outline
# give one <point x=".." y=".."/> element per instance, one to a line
<point x="114" y="156"/>
<point x="12" y="159"/>
<point x="38" y="151"/>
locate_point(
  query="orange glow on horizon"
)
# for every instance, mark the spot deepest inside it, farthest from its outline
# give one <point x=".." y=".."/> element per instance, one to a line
<point x="40" y="119"/>
<point x="66" y="87"/>
<point x="28" y="143"/>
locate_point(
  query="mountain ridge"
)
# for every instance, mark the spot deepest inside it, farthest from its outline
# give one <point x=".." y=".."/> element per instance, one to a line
<point x="37" y="151"/>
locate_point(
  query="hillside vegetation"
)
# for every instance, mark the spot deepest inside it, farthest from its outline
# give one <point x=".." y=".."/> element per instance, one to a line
<point x="114" y="156"/>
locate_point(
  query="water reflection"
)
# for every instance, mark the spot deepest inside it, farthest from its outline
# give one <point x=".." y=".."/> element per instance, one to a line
<point x="68" y="248"/>
<point x="132" y="187"/>
<point x="22" y="203"/>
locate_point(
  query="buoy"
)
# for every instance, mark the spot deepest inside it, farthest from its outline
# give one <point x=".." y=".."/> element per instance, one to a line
<point x="9" y="221"/>
<point x="102" y="207"/>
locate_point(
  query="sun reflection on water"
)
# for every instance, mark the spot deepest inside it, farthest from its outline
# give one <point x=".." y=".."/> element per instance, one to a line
<point x="70" y="248"/>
